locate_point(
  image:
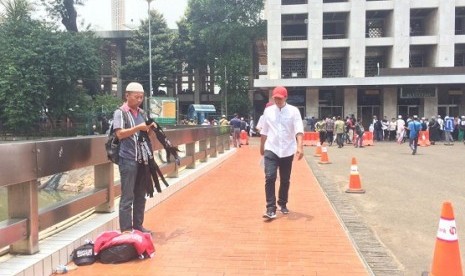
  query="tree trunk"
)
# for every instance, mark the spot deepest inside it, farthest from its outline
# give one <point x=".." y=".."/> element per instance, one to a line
<point x="69" y="16"/>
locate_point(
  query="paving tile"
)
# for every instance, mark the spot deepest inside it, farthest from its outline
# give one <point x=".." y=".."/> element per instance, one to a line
<point x="213" y="226"/>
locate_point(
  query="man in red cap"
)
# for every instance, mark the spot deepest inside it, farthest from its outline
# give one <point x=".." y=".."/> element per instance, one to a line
<point x="281" y="140"/>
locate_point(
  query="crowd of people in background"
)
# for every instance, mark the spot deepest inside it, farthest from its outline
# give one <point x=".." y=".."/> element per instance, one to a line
<point x="350" y="130"/>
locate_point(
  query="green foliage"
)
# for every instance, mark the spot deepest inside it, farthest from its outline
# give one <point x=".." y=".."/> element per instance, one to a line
<point x="220" y="34"/>
<point x="163" y="58"/>
<point x="105" y="105"/>
<point x="64" y="11"/>
<point x="41" y="72"/>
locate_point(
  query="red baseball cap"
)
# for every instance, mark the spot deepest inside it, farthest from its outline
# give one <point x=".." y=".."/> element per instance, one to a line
<point x="280" y="92"/>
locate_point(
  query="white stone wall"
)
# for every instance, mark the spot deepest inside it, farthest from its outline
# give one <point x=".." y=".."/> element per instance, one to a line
<point x="439" y="41"/>
<point x="440" y="38"/>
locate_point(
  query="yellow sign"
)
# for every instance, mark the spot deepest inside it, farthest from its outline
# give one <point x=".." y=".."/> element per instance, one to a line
<point x="163" y="107"/>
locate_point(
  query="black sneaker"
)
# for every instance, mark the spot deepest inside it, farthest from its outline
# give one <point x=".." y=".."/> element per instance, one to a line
<point x="284" y="210"/>
<point x="270" y="214"/>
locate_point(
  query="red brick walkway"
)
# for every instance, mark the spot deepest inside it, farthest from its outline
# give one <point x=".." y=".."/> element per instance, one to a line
<point x="214" y="226"/>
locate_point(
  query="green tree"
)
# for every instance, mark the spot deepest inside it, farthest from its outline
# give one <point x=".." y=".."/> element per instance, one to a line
<point x="64" y="11"/>
<point x="42" y="70"/>
<point x="221" y="33"/>
<point x="163" y="58"/>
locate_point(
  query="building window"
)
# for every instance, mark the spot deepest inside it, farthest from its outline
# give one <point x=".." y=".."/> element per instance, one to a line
<point x="372" y="64"/>
<point x="417" y="60"/>
<point x="294" y="27"/>
<point x="416" y="27"/>
<point x="333" y="1"/>
<point x="459" y="59"/>
<point x="293" y="2"/>
<point x="334" y="25"/>
<point x="460" y="20"/>
<point x="333" y="68"/>
<point x="420" y="22"/>
<point x="294" y="68"/>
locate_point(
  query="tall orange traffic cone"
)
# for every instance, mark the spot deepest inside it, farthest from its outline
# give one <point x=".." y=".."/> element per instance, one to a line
<point x="423" y="139"/>
<point x="324" y="156"/>
<point x="446" y="260"/>
<point x="355" y="186"/>
<point x="318" y="150"/>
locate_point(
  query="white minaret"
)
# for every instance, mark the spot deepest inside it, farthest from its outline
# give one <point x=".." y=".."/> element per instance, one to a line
<point x="117" y="14"/>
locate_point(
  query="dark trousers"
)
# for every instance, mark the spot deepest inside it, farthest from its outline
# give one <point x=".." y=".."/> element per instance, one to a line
<point x="322" y="137"/>
<point x="329" y="137"/>
<point x="340" y="139"/>
<point x="392" y="135"/>
<point x="378" y="134"/>
<point x="272" y="164"/>
<point x="236" y="137"/>
<point x="132" y="203"/>
<point x="413" y="143"/>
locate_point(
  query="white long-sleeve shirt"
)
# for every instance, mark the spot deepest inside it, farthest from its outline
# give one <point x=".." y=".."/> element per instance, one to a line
<point x="281" y="127"/>
<point x="400" y="125"/>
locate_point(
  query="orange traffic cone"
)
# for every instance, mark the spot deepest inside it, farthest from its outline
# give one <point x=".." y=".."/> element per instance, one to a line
<point x="244" y="139"/>
<point x="446" y="260"/>
<point x="355" y="185"/>
<point x="423" y="139"/>
<point x="324" y="156"/>
<point x="318" y="150"/>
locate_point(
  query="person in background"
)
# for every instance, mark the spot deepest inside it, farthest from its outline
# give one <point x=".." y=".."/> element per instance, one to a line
<point x="350" y="125"/>
<point x="251" y="127"/>
<point x="94" y="130"/>
<point x="320" y="127"/>
<point x="329" y="130"/>
<point x="448" y="129"/>
<point x="385" y="126"/>
<point x="424" y="124"/>
<point x="244" y="125"/>
<point x="400" y="129"/>
<point x="236" y="126"/>
<point x="223" y="121"/>
<point x="414" y="128"/>
<point x="434" y="134"/>
<point x="339" y="128"/>
<point x="461" y="127"/>
<point x="378" y="129"/>
<point x="455" y="133"/>
<point x="311" y="124"/>
<point x="260" y="120"/>
<point x="441" y="126"/>
<point x="359" y="130"/>
<point x="392" y="129"/>
<point x="281" y="141"/>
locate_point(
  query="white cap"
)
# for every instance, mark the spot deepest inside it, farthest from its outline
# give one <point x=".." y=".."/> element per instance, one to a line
<point x="400" y="117"/>
<point x="134" y="87"/>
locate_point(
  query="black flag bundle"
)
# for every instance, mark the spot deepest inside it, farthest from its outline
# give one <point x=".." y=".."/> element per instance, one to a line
<point x="147" y="163"/>
<point x="166" y="143"/>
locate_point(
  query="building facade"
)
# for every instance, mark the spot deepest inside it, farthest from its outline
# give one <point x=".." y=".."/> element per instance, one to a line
<point x="362" y="57"/>
<point x="118" y="15"/>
